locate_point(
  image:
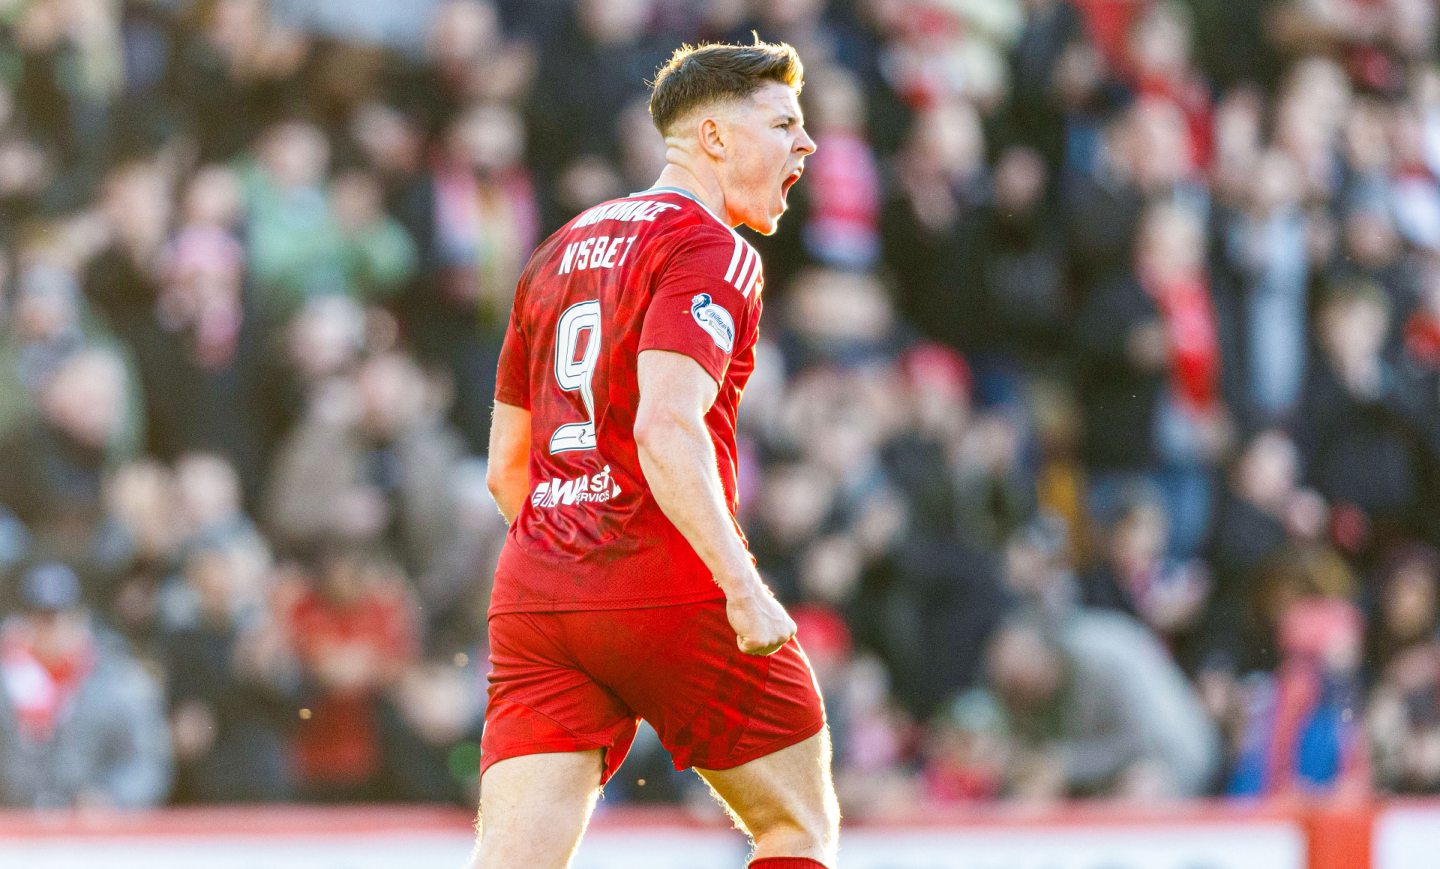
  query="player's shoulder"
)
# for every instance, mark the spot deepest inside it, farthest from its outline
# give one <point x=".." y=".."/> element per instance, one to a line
<point x="699" y="241"/>
<point x="721" y="252"/>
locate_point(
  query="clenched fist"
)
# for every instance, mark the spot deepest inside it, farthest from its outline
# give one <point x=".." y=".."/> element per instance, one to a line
<point x="761" y="624"/>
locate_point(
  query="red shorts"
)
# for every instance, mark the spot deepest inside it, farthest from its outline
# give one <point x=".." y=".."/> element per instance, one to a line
<point x="573" y="681"/>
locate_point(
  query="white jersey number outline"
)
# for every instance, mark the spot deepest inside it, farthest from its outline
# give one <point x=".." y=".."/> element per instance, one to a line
<point x="575" y="374"/>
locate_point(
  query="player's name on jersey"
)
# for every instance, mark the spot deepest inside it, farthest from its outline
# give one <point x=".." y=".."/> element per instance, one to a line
<point x="626" y="210"/>
<point x="600" y="252"/>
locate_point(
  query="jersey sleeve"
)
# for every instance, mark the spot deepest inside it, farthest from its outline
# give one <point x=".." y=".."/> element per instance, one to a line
<point x="512" y="380"/>
<point x="703" y="301"/>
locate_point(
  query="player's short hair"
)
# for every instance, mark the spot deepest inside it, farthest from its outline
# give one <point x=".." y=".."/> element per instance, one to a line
<point x="699" y="75"/>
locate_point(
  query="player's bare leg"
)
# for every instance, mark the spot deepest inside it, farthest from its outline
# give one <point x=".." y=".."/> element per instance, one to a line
<point x="785" y="801"/>
<point x="534" y="808"/>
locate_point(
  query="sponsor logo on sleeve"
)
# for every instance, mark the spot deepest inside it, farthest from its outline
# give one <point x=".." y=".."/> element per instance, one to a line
<point x="715" y="320"/>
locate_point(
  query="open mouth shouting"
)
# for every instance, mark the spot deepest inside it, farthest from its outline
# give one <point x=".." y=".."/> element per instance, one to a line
<point x="790" y="180"/>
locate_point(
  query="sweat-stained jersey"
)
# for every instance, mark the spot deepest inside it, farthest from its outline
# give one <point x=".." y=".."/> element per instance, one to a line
<point x="656" y="270"/>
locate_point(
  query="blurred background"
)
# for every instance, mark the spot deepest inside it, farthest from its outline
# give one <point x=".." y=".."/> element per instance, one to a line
<point x="1095" y="442"/>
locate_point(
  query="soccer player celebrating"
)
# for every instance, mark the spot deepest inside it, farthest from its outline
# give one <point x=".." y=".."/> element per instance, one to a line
<point x="625" y="589"/>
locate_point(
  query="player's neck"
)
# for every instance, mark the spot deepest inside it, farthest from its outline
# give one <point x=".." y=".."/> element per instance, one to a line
<point x="707" y="194"/>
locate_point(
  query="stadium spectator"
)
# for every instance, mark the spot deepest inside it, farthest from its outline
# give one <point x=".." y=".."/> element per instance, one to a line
<point x="320" y="346"/>
<point x="1052" y="30"/>
<point x="931" y="224"/>
<point x="590" y="66"/>
<point x="1136" y="577"/>
<point x="68" y="111"/>
<point x="81" y="723"/>
<point x="1039" y="571"/>
<point x="45" y="323"/>
<point x="233" y="684"/>
<point x="967" y="750"/>
<point x="1102" y="196"/>
<point x="123" y="280"/>
<point x="1026" y="305"/>
<point x="370" y="462"/>
<point x="842" y="226"/>
<point x="1047" y="249"/>
<point x="871" y="780"/>
<point x="353" y="629"/>
<point x="1159" y="66"/>
<point x="958" y="491"/>
<point x="434" y="715"/>
<point x="292" y="241"/>
<point x="377" y="255"/>
<point x="52" y="470"/>
<point x="454" y="591"/>
<point x="1169" y="332"/>
<point x="136" y="547"/>
<point x="1256" y="516"/>
<point x="1099" y="709"/>
<point x="1406" y="674"/>
<point x="234" y="72"/>
<point x="473" y="216"/>
<point x="464" y="38"/>
<point x="1302" y="734"/>
<point x="1261" y="283"/>
<point x="197" y="349"/>
<point x="1406" y="607"/>
<point x="208" y="498"/>
<point x="1362" y="429"/>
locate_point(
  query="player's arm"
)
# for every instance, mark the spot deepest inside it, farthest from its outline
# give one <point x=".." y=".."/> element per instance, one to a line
<point x="679" y="462"/>
<point x="508" y="473"/>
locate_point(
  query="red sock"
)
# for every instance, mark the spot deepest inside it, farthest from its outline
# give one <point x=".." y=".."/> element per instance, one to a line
<point x="787" y="863"/>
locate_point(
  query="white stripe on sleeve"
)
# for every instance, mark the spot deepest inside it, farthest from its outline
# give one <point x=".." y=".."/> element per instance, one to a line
<point x="748" y="272"/>
<point x="735" y="257"/>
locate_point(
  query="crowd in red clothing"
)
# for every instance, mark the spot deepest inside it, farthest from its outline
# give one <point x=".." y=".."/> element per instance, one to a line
<point x="1094" y="439"/>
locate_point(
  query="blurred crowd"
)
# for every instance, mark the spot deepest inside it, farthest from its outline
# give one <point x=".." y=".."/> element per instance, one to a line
<point x="1094" y="444"/>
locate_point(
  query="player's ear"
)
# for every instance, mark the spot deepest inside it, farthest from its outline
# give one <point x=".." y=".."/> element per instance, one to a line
<point x="712" y="137"/>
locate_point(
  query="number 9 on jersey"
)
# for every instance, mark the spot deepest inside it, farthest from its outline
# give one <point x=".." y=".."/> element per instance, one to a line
<point x="574" y="369"/>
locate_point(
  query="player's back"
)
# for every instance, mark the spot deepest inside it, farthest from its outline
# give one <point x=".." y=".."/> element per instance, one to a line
<point x="653" y="271"/>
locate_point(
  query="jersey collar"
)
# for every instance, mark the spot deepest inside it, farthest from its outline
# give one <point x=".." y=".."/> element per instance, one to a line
<point x="680" y="191"/>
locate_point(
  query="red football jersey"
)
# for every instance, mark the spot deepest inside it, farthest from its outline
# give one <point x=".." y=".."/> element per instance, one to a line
<point x="656" y="270"/>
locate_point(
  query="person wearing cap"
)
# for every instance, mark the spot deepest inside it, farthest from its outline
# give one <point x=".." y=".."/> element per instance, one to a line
<point x="81" y="724"/>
